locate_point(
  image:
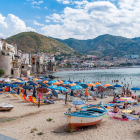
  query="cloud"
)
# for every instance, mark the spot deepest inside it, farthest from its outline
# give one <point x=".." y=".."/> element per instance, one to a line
<point x="38" y="3"/>
<point x="91" y="19"/>
<point x="45" y="7"/>
<point x="37" y="7"/>
<point x="64" y="1"/>
<point x="47" y="20"/>
<point x="11" y="25"/>
<point x="38" y="24"/>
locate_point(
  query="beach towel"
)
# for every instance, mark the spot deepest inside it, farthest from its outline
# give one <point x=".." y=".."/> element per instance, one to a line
<point x="0" y="93"/>
<point x="109" y="105"/>
<point x="116" y="118"/>
<point x="126" y="111"/>
<point x="112" y="113"/>
<point x="111" y="102"/>
<point x="135" y="105"/>
<point x="131" y="118"/>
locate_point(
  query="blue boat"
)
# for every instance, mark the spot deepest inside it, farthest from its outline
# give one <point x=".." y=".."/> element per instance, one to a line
<point x="89" y="115"/>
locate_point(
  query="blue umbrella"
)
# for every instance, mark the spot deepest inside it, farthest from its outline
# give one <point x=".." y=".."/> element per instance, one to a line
<point x="51" y="82"/>
<point x="68" y="86"/>
<point x="33" y="84"/>
<point x="34" y="92"/>
<point x="76" y="87"/>
<point x="66" y="83"/>
<point x="18" y="83"/>
<point x="46" y="79"/>
<point x="27" y="87"/>
<point x="54" y="93"/>
<point x="81" y="83"/>
<point x="111" y="87"/>
<point x="13" y="86"/>
<point x="135" y="88"/>
<point x="39" y="80"/>
<point x="1" y="85"/>
<point x="53" y="87"/>
<point x="89" y="82"/>
<point x="30" y="82"/>
<point x="71" y="94"/>
<point x="77" y="82"/>
<point x="20" y="79"/>
<point x="61" y="89"/>
<point x="6" y="84"/>
<point x="18" y="91"/>
<point x="78" y="102"/>
<point x="43" y="85"/>
<point x="70" y="81"/>
<point x="84" y="85"/>
<point x="117" y="86"/>
<point x="1" y="89"/>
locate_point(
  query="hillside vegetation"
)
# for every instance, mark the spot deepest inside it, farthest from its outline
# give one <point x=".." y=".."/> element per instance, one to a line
<point x="105" y="45"/>
<point x="34" y="42"/>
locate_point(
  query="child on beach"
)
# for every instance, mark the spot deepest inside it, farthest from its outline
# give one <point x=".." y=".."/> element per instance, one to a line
<point x="115" y="109"/>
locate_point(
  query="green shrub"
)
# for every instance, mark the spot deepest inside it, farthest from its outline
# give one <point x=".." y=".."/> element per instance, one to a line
<point x="2" y="72"/>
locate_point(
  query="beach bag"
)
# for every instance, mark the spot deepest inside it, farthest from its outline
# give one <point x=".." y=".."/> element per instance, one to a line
<point x="124" y="116"/>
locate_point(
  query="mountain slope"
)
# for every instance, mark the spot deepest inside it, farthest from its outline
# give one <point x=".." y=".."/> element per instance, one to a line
<point x="137" y="39"/>
<point x="104" y="45"/>
<point x="34" y="42"/>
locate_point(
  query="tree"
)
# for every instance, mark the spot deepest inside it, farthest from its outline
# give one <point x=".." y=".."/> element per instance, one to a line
<point x="2" y="72"/>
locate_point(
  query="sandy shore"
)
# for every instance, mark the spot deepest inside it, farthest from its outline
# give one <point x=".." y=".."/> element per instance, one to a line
<point x="28" y="116"/>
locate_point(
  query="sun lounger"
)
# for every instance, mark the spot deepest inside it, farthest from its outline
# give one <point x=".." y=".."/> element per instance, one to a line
<point x="30" y="99"/>
<point x="36" y="102"/>
<point x="21" y="96"/>
<point x="24" y="97"/>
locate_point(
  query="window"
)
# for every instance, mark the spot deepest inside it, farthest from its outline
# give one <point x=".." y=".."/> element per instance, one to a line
<point x="12" y="72"/>
<point x="22" y="67"/>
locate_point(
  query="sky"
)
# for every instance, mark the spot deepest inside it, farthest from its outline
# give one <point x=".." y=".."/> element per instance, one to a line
<point x="79" y="19"/>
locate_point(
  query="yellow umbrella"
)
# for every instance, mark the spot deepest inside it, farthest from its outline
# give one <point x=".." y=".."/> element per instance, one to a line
<point x="91" y="84"/>
<point x="107" y="85"/>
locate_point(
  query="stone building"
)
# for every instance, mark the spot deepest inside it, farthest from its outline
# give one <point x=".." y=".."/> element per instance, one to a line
<point x="9" y="60"/>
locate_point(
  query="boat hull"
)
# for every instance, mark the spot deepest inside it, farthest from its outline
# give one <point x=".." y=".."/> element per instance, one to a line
<point x="78" y="122"/>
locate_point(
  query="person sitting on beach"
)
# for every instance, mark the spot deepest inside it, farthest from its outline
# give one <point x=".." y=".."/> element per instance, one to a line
<point x="138" y="99"/>
<point x="122" y="95"/>
<point x="114" y="99"/>
<point x="115" y="109"/>
<point x="125" y="105"/>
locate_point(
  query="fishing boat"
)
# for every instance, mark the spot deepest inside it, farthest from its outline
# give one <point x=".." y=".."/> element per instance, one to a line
<point x="6" y="107"/>
<point x="89" y="115"/>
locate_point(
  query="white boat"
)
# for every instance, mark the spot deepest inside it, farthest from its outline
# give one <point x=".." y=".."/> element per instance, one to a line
<point x="6" y="107"/>
<point x="90" y="115"/>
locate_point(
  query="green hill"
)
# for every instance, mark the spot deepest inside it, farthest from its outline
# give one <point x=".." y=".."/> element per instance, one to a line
<point x="104" y="45"/>
<point x="34" y="42"/>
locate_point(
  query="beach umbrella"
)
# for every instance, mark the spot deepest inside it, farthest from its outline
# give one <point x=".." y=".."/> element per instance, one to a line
<point x="72" y="84"/>
<point x="54" y="93"/>
<point x="126" y="100"/>
<point x="92" y="89"/>
<point x="84" y="85"/>
<point x="43" y="85"/>
<point x="70" y="81"/>
<point x="77" y="82"/>
<point x="9" y="89"/>
<point x="61" y="89"/>
<point x="18" y="83"/>
<point x="66" y="83"/>
<point x="33" y="84"/>
<point x="87" y="94"/>
<point x="89" y="82"/>
<point x="78" y="102"/>
<point x="27" y="87"/>
<point x="117" y="86"/>
<point x="25" y="93"/>
<point x="34" y="92"/>
<point x="81" y="83"/>
<point x="60" y="81"/>
<point x="24" y="82"/>
<point x="18" y="91"/>
<point x="42" y="90"/>
<point x="30" y="82"/>
<point x="53" y="87"/>
<point x="91" y="85"/>
<point x="135" y="88"/>
<point x="45" y="81"/>
<point x="76" y="87"/>
<point x="101" y="89"/>
<point x="13" y="86"/>
<point x="39" y="80"/>
<point x="107" y="85"/>
<point x="1" y="89"/>
<point x="51" y="82"/>
<point x="111" y="87"/>
<point x="71" y="94"/>
<point x="68" y="86"/>
<point x="6" y="84"/>
<point x="98" y="86"/>
<point x="98" y="83"/>
<point x="56" y="83"/>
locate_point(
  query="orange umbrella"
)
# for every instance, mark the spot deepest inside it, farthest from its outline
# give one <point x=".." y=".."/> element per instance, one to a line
<point x="72" y="84"/>
<point x="98" y="83"/>
<point x="87" y="94"/>
<point x="60" y="81"/>
<point x="91" y="84"/>
<point x="107" y="85"/>
<point x="45" y="82"/>
<point x="56" y="83"/>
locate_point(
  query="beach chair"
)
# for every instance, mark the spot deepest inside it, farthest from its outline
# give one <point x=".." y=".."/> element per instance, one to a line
<point x="21" y="96"/>
<point x="37" y="102"/>
<point x="14" y="95"/>
<point x="30" y="99"/>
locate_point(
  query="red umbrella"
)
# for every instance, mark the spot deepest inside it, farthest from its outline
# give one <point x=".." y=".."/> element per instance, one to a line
<point x="101" y="89"/>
